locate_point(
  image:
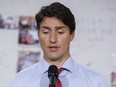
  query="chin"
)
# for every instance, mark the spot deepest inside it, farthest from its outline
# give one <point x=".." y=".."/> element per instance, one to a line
<point x="54" y="58"/>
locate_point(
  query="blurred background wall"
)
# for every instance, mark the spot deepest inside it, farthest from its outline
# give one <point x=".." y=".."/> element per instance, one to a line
<point x="93" y="46"/>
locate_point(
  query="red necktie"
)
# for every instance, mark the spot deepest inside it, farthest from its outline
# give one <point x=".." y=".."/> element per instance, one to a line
<point x="58" y="82"/>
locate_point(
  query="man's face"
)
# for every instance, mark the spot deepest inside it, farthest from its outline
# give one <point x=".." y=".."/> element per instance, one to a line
<point x="54" y="37"/>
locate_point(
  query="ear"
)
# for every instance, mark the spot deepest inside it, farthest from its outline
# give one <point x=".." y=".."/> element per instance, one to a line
<point x="72" y="36"/>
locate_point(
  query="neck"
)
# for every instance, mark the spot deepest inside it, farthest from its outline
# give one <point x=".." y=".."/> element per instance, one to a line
<point x="57" y="62"/>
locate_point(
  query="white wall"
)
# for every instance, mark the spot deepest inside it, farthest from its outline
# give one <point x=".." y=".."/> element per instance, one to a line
<point x="8" y="55"/>
<point x="94" y="44"/>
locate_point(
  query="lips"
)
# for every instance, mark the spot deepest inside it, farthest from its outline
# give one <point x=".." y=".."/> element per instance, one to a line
<point x="53" y="48"/>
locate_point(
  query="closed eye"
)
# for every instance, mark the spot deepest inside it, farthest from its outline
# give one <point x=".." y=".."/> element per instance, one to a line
<point x="61" y="32"/>
<point x="45" y="32"/>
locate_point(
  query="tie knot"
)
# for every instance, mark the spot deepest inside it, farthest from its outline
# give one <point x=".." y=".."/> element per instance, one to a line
<point x="60" y="70"/>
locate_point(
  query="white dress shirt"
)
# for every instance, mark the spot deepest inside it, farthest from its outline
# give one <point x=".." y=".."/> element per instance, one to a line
<point x="74" y="75"/>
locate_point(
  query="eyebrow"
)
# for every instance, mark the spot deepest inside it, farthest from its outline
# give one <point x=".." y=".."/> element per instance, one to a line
<point x="60" y="27"/>
<point x="46" y="27"/>
<point x="57" y="27"/>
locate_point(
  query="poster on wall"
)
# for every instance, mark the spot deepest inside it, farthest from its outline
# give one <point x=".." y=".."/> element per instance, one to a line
<point x="113" y="79"/>
<point x="27" y="58"/>
<point x="28" y="42"/>
<point x="9" y="22"/>
<point x="29" y="52"/>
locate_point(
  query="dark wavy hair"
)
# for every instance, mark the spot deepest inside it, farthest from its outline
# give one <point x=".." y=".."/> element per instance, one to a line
<point x="59" y="11"/>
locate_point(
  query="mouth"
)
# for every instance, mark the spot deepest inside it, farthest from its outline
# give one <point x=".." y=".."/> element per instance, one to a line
<point x="53" y="48"/>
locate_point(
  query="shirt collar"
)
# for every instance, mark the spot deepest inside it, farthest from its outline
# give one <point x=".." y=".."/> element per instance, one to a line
<point x="68" y="65"/>
<point x="44" y="66"/>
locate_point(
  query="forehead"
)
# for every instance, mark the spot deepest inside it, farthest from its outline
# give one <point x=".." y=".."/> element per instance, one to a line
<point x="51" y="21"/>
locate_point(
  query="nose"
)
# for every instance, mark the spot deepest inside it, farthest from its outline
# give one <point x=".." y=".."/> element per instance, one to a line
<point x="53" y="38"/>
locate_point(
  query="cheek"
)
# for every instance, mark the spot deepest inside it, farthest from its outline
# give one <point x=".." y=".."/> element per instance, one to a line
<point x="65" y="42"/>
<point x="42" y="42"/>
